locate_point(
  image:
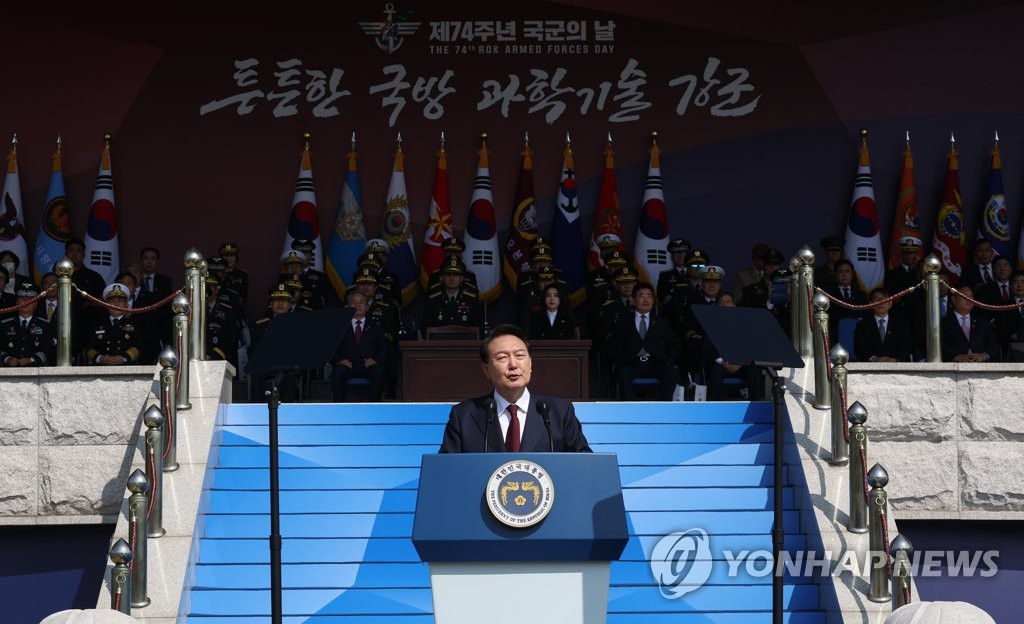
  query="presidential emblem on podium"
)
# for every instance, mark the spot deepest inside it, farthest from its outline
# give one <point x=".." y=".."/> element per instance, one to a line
<point x="520" y="493"/>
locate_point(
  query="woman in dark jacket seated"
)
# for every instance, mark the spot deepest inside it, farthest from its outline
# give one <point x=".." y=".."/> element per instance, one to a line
<point x="555" y="321"/>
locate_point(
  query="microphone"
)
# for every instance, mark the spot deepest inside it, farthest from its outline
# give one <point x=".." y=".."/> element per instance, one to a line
<point x="492" y="411"/>
<point x="542" y="409"/>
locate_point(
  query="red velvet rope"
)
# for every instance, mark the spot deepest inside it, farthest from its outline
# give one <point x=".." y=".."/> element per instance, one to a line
<point x="906" y="593"/>
<point x="852" y="306"/>
<point x="810" y="307"/>
<point x="33" y="301"/>
<point x="155" y="481"/>
<point x="846" y="421"/>
<point x="133" y="541"/>
<point x="885" y="542"/>
<point x="169" y="298"/>
<point x="168" y="421"/>
<point x="985" y="306"/>
<point x="828" y="360"/>
<point x="864" y="469"/>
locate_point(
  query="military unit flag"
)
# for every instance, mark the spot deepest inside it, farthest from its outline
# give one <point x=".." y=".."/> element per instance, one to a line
<point x="522" y="229"/>
<point x="906" y="223"/>
<point x="567" y="231"/>
<point x="439" y="220"/>
<point x="12" y="218"/>
<point x="348" y="236"/>
<point x="55" y="228"/>
<point x="950" y="238"/>
<point x="396" y="229"/>
<point x="608" y="218"/>
<point x="994" y="220"/>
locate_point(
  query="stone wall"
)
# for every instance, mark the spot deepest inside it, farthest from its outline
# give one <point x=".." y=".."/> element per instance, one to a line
<point x="65" y="445"/>
<point x="951" y="436"/>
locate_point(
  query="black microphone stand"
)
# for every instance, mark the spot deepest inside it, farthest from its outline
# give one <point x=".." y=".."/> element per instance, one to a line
<point x="542" y="408"/>
<point x="778" y="531"/>
<point x="273" y="402"/>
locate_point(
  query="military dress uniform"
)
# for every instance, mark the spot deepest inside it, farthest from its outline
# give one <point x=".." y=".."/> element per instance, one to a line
<point x="36" y="339"/>
<point x="459" y="309"/>
<point x="222" y="333"/>
<point x="113" y="336"/>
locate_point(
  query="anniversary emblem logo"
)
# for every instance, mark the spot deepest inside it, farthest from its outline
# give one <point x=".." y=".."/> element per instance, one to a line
<point x="520" y="493"/>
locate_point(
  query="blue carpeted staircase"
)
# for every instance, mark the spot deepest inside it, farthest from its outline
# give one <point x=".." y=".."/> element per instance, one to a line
<point x="348" y="490"/>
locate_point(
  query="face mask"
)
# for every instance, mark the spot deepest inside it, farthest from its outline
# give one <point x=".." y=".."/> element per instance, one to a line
<point x="9" y="266"/>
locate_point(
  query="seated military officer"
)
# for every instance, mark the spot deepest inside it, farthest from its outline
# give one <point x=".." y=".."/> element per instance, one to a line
<point x="236" y="280"/>
<point x="315" y="283"/>
<point x="222" y="325"/>
<point x="452" y="304"/>
<point x="669" y="279"/>
<point x="452" y="246"/>
<point x="27" y="339"/>
<point x="114" y="340"/>
<point x="387" y="280"/>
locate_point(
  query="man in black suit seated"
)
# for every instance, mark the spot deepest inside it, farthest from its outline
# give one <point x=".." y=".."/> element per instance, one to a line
<point x="362" y="353"/>
<point x="1009" y="324"/>
<point x="643" y="344"/>
<point x="965" y="336"/>
<point x="845" y="290"/>
<point x="882" y="337"/>
<point x="518" y="424"/>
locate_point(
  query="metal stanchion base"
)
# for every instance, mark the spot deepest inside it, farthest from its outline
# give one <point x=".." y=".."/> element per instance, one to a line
<point x="160" y="534"/>
<point x="843" y="461"/>
<point x="182" y="407"/>
<point x="822" y="406"/>
<point x="170" y="467"/>
<point x="858" y="530"/>
<point x="879" y="598"/>
<point x="139" y="605"/>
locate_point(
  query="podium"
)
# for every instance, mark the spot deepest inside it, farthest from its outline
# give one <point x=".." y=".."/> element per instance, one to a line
<point x="546" y="562"/>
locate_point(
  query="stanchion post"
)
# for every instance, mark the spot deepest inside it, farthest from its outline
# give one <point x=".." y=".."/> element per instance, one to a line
<point x="878" y="543"/>
<point x="181" y="308"/>
<point x="204" y="271"/>
<point x="138" y="506"/>
<point x="169" y="406"/>
<point x="933" y="344"/>
<point x="194" y="285"/>
<point x="806" y="257"/>
<point x="154" y="420"/>
<point x="857" y="415"/>
<point x="822" y="384"/>
<point x="840" y="446"/>
<point x="121" y="577"/>
<point x="794" y="288"/>
<point x="902" y="582"/>
<point x="64" y="268"/>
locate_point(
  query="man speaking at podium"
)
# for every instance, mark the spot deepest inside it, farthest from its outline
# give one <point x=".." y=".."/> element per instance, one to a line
<point x="510" y="419"/>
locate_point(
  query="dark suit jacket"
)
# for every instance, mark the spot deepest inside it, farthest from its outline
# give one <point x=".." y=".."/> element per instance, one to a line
<point x="372" y="344"/>
<point x="541" y="329"/>
<point x="467" y="421"/>
<point x="983" y="338"/>
<point x="868" y="344"/>
<point x="661" y="341"/>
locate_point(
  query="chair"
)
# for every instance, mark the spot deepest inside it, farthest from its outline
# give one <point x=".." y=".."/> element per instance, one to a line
<point x="844" y="334"/>
<point x="453" y="332"/>
<point x="645" y="386"/>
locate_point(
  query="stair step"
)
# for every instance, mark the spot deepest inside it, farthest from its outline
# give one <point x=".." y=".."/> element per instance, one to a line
<point x="756" y="454"/>
<point x="711" y="598"/>
<point x="710" y="412"/>
<point x="305" y="550"/>
<point x="406" y="434"/>
<point x="750" y="617"/>
<point x="396" y="500"/>
<point x="408" y="478"/>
